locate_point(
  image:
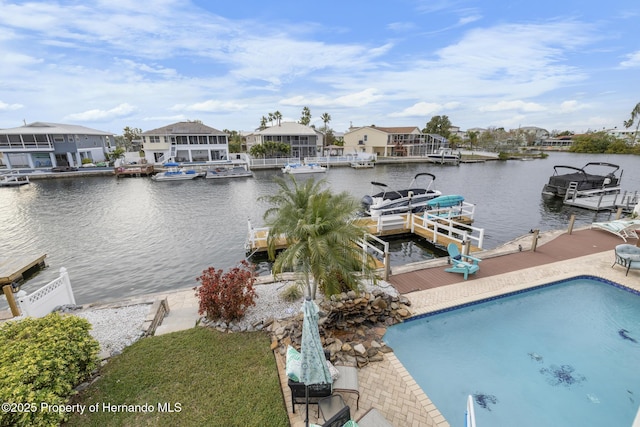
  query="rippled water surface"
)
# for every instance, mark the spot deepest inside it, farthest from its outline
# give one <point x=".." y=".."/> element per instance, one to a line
<point x="128" y="236"/>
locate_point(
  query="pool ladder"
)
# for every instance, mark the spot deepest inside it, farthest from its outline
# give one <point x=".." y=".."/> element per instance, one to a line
<point x="470" y="415"/>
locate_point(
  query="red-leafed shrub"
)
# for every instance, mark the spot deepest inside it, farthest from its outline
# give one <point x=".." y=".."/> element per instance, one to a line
<point x="226" y="296"/>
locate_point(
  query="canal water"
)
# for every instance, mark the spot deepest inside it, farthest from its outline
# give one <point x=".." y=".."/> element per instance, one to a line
<point x="130" y="236"/>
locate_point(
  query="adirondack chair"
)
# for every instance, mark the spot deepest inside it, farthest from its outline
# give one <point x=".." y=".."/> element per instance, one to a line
<point x="465" y="264"/>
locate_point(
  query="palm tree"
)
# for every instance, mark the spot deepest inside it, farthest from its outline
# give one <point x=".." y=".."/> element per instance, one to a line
<point x="320" y="236"/>
<point x="305" y="119"/>
<point x="326" y="118"/>
<point x="635" y="114"/>
<point x="277" y="116"/>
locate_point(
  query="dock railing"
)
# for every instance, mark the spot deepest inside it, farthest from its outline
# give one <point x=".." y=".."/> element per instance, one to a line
<point x="44" y="300"/>
<point x="383" y="253"/>
<point x="437" y="227"/>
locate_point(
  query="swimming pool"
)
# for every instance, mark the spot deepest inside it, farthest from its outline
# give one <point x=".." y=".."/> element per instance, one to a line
<point x="561" y="354"/>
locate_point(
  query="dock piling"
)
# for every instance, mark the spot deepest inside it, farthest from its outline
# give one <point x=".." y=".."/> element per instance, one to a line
<point x="534" y="242"/>
<point x="8" y="293"/>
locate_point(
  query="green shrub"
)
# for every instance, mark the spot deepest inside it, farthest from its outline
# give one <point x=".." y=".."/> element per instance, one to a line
<point x="86" y="161"/>
<point x="226" y="296"/>
<point x="41" y="361"/>
<point x="292" y="292"/>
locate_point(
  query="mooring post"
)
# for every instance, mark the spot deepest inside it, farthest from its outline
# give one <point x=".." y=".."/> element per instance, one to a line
<point x="572" y="220"/>
<point x="387" y="265"/>
<point x="619" y="212"/>
<point x="534" y="242"/>
<point x="8" y="293"/>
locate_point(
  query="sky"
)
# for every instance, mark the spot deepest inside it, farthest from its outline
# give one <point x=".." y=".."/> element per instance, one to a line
<point x="559" y="65"/>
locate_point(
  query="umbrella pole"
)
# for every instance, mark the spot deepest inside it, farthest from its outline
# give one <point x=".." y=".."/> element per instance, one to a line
<point x="306" y="399"/>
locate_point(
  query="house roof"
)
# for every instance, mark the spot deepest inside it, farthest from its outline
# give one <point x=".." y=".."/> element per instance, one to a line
<point x="288" y="128"/>
<point x="404" y="129"/>
<point x="184" y="128"/>
<point x="390" y="130"/>
<point x="44" y="128"/>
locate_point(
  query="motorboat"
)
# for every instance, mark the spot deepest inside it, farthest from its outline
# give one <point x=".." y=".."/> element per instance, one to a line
<point x="237" y="171"/>
<point x="299" y="168"/>
<point x="413" y="199"/>
<point x="584" y="178"/>
<point x="445" y="155"/>
<point x="362" y="164"/>
<point x="363" y="161"/>
<point x="175" y="173"/>
<point x="13" y="180"/>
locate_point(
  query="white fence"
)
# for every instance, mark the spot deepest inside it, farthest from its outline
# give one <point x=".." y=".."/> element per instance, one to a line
<point x="44" y="300"/>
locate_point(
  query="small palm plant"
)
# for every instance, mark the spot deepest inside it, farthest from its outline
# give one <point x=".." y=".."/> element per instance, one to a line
<point x="320" y="234"/>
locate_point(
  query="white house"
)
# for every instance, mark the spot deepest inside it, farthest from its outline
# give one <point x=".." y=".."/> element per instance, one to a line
<point x="304" y="141"/>
<point x="185" y="142"/>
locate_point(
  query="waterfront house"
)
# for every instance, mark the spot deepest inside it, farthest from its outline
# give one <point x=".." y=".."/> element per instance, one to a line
<point x="46" y="145"/>
<point x="304" y="141"/>
<point x="391" y="141"/>
<point x="190" y="141"/>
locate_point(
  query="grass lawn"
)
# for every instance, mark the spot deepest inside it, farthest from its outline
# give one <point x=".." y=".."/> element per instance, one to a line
<point x="205" y="377"/>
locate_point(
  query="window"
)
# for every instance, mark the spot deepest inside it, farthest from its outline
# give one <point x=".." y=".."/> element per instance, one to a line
<point x="365" y="138"/>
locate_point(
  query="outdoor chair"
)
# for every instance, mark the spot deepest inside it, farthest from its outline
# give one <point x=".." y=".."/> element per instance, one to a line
<point x="626" y="229"/>
<point x="373" y="418"/>
<point x="334" y="411"/>
<point x="627" y="256"/>
<point x="347" y="382"/>
<point x="465" y="264"/>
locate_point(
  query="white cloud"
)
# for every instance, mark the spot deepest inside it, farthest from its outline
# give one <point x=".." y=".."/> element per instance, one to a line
<point x="571" y="106"/>
<point x="513" y="105"/>
<point x="10" y="107"/>
<point x="422" y="109"/>
<point x="632" y="61"/>
<point x="357" y="99"/>
<point x="121" y="110"/>
<point x="210" y="106"/>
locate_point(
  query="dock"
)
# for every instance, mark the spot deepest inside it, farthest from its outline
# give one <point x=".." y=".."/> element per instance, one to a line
<point x="440" y="227"/>
<point x="602" y="199"/>
<point x="13" y="269"/>
<point x="134" y="170"/>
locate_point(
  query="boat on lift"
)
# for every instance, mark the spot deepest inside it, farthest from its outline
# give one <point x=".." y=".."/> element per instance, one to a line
<point x="300" y="168"/>
<point x="445" y="156"/>
<point x="229" y="171"/>
<point x="13" y="180"/>
<point x="176" y="173"/>
<point x="585" y="178"/>
<point x="412" y="199"/>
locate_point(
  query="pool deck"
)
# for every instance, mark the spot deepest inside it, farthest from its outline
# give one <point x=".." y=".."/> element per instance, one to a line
<point x="387" y="386"/>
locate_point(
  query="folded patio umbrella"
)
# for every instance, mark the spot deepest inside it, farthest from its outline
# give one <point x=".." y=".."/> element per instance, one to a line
<point x="314" y="365"/>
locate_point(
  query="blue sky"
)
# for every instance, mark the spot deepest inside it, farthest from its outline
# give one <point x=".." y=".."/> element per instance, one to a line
<point x="559" y="65"/>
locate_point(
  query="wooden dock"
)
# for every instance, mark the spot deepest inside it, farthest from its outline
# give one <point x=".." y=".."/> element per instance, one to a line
<point x="134" y="170"/>
<point x="13" y="270"/>
<point x="602" y="199"/>
<point x="436" y="229"/>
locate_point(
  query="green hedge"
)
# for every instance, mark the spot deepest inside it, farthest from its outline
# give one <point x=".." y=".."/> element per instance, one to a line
<point x="41" y="361"/>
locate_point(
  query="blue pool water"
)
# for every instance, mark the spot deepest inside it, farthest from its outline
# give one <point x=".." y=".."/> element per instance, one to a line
<point x="563" y="354"/>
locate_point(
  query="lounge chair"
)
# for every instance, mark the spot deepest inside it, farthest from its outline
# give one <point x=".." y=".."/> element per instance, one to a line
<point x="334" y="411"/>
<point x="347" y="382"/>
<point x="620" y="227"/>
<point x="373" y="418"/>
<point x="465" y="264"/>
